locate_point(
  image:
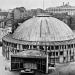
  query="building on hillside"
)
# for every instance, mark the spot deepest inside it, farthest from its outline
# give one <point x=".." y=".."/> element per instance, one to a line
<point x="19" y="13"/>
<point x="72" y="22"/>
<point x="2" y="24"/>
<point x="3" y="15"/>
<point x="34" y="12"/>
<point x="63" y="17"/>
<point x="39" y="43"/>
<point x="65" y="8"/>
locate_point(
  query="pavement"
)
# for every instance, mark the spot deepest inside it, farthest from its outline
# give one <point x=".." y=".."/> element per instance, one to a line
<point x="2" y="66"/>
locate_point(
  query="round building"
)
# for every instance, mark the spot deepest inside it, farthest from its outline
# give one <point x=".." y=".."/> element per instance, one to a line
<point x="44" y="35"/>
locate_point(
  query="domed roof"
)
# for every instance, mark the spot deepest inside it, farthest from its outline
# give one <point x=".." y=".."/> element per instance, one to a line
<point x="43" y="29"/>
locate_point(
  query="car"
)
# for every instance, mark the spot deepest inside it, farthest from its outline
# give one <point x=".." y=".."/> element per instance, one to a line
<point x="51" y="69"/>
<point x="26" y="72"/>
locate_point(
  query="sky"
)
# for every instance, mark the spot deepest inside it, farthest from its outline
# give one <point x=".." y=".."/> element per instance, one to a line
<point x="32" y="4"/>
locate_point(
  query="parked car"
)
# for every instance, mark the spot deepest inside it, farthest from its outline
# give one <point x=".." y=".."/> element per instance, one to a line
<point x="26" y="72"/>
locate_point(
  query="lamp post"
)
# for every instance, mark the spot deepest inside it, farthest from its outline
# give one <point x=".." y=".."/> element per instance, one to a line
<point x="43" y="4"/>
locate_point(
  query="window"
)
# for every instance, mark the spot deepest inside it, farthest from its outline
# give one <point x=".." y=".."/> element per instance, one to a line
<point x="62" y="46"/>
<point x="64" y="58"/>
<point x="53" y="53"/>
<point x="68" y="46"/>
<point x="7" y="43"/>
<point x="52" y="65"/>
<point x="61" y="52"/>
<point x="71" y="45"/>
<point x="48" y="47"/>
<point x="70" y="52"/>
<point x="67" y="52"/>
<point x="30" y="46"/>
<point x="50" y="54"/>
<point x="52" y="47"/>
<point x="71" y="58"/>
<point x="15" y="45"/>
<point x="41" y="48"/>
<point x="52" y="60"/>
<point x="14" y="66"/>
<point x="34" y="47"/>
<point x="12" y="44"/>
<point x="74" y="45"/>
<point x="65" y="46"/>
<point x="25" y="46"/>
<point x="56" y="53"/>
<point x="57" y="60"/>
<point x="56" y="47"/>
<point x="18" y="50"/>
<point x="21" y="65"/>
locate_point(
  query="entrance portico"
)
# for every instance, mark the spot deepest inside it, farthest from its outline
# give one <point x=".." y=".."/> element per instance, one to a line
<point x="34" y="60"/>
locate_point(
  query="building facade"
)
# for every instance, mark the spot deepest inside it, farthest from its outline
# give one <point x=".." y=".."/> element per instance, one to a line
<point x="19" y="13"/>
<point x="44" y="34"/>
<point x="65" y="8"/>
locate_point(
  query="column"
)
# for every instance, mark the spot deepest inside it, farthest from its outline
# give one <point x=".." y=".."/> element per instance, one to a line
<point x="47" y="63"/>
<point x="73" y="52"/>
<point x="44" y="48"/>
<point x="37" y="47"/>
<point x="21" y="47"/>
<point x="29" y="46"/>
<point x="17" y="46"/>
<point x="32" y="47"/>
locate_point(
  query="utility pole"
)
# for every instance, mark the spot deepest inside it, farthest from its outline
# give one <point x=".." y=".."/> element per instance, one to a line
<point x="43" y="4"/>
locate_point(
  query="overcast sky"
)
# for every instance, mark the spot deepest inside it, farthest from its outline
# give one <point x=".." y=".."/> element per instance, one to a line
<point x="28" y="4"/>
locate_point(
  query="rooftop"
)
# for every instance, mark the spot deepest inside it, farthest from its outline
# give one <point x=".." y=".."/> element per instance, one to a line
<point x="3" y="13"/>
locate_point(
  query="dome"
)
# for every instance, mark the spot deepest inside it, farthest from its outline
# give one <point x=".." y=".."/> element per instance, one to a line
<point x="43" y="29"/>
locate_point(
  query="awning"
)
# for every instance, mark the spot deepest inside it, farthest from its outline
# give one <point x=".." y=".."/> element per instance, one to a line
<point x="30" y="54"/>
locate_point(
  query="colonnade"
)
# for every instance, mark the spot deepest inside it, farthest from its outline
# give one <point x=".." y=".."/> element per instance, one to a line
<point x="57" y="53"/>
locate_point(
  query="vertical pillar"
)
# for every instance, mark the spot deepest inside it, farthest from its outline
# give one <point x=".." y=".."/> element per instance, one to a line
<point x="21" y="46"/>
<point x="73" y="52"/>
<point x="29" y="46"/>
<point x="32" y="47"/>
<point x="44" y="48"/>
<point x="37" y="47"/>
<point x="47" y="62"/>
<point x="17" y="46"/>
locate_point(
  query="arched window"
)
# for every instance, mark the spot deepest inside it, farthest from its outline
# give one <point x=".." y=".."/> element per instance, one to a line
<point x="56" y="47"/>
<point x="61" y="52"/>
<point x="15" y="45"/>
<point x="25" y="46"/>
<point x="52" y="47"/>
<point x="41" y="48"/>
<point x="34" y="46"/>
